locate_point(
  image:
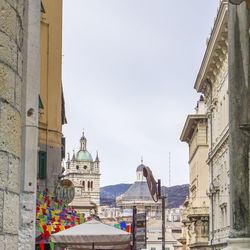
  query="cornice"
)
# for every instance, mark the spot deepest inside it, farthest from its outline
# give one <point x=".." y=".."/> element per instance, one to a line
<point x="190" y="125"/>
<point x="216" y="51"/>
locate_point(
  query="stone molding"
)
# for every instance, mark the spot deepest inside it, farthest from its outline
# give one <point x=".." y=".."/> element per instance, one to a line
<point x="216" y="52"/>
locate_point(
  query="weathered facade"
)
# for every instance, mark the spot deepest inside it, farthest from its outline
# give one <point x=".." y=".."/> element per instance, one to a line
<point x="212" y="81"/>
<point x="85" y="175"/>
<point x="195" y="216"/>
<point x="19" y="87"/>
<point x="51" y="102"/>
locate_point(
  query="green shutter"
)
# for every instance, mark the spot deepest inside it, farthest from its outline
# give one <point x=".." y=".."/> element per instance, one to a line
<point x="40" y="102"/>
<point x="42" y="8"/>
<point x="42" y="165"/>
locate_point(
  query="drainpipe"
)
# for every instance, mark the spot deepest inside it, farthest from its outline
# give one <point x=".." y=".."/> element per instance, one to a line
<point x="211" y="164"/>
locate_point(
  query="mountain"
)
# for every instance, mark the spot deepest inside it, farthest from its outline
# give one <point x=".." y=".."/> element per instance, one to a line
<point x="175" y="194"/>
<point x="109" y="193"/>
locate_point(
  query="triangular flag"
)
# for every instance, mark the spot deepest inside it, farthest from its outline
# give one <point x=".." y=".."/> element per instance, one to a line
<point x="52" y="245"/>
<point x="49" y="228"/>
<point x="41" y="246"/>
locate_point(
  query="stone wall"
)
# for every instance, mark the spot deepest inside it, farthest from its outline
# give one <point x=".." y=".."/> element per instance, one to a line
<point x="19" y="85"/>
<point x="11" y="77"/>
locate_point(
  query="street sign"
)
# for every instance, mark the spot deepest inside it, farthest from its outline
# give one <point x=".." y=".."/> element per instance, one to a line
<point x="65" y="191"/>
<point x="151" y="183"/>
<point x="140" y="230"/>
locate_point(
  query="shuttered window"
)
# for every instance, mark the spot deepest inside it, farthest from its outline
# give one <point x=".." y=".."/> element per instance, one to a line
<point x="42" y="8"/>
<point x="42" y="172"/>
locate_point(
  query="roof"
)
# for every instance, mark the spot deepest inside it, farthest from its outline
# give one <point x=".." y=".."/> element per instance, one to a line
<point x="140" y="167"/>
<point x="138" y="191"/>
<point x="219" y="26"/>
<point x="83" y="155"/>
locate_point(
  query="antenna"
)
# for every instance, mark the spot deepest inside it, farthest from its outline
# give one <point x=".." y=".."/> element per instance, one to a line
<point x="169" y="168"/>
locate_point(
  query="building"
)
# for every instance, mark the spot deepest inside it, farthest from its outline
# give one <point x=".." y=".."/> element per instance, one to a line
<point x="85" y="175"/>
<point x="51" y="101"/>
<point x="195" y="216"/>
<point x="19" y="89"/>
<point x="173" y="214"/>
<point x="212" y="82"/>
<point x="154" y="235"/>
<point x="139" y="195"/>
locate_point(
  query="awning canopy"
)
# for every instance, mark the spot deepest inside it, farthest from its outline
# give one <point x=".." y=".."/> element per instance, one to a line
<point x="92" y="235"/>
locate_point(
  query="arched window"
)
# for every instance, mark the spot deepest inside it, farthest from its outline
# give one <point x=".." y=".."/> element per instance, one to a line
<point x="91" y="185"/>
<point x="88" y="185"/>
<point x="85" y="167"/>
<point x="83" y="184"/>
<point x="77" y="167"/>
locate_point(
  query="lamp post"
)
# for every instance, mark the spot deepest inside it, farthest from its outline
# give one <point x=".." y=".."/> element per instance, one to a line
<point x="155" y="191"/>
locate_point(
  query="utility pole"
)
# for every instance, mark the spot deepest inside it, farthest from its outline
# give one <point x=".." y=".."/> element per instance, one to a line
<point x="239" y="127"/>
<point x="169" y="168"/>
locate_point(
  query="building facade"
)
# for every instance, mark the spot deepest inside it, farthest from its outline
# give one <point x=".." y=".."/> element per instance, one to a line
<point x="195" y="217"/>
<point x="84" y="172"/>
<point x="19" y="89"/>
<point x="212" y="82"/>
<point x="51" y="101"/>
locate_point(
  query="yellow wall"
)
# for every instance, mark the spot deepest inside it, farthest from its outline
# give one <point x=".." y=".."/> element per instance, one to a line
<point x="50" y="124"/>
<point x="198" y="168"/>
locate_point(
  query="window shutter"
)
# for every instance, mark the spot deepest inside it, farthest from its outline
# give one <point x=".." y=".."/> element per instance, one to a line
<point x="42" y="165"/>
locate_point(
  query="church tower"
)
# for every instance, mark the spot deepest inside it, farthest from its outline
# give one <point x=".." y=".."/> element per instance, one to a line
<point x="85" y="174"/>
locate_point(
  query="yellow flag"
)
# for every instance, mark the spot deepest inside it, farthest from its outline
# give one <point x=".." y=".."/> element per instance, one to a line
<point x="53" y="214"/>
<point x="40" y="196"/>
<point x="61" y="228"/>
<point x="49" y="228"/>
<point x="50" y="196"/>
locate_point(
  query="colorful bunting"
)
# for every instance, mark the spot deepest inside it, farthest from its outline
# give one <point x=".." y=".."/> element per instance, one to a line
<point x="53" y="215"/>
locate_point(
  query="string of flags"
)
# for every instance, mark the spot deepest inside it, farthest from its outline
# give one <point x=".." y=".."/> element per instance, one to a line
<point x="123" y="226"/>
<point x="53" y="215"/>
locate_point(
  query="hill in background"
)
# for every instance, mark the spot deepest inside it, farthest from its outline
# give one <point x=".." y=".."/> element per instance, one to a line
<point x="175" y="194"/>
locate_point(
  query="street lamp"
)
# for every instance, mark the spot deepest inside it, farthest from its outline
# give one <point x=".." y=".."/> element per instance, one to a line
<point x="155" y="191"/>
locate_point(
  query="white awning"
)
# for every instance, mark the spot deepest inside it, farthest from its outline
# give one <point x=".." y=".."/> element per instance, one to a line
<point x="92" y="235"/>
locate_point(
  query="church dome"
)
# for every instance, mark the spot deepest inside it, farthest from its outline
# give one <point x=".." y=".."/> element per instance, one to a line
<point x="84" y="155"/>
<point x="140" y="168"/>
<point x="138" y="192"/>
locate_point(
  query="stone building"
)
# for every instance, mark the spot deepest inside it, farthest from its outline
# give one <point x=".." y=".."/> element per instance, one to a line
<point x="51" y="101"/>
<point x="212" y="82"/>
<point x="85" y="175"/>
<point x="138" y="195"/>
<point x="223" y="79"/>
<point x="196" y="213"/>
<point x="19" y="89"/>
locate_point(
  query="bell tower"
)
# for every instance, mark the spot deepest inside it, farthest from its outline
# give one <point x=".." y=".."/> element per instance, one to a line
<point x="83" y="142"/>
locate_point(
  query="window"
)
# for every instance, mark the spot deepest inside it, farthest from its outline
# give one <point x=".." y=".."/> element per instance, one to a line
<point x="77" y="167"/>
<point x="83" y="184"/>
<point x="88" y="185"/>
<point x="91" y="184"/>
<point x="85" y="167"/>
<point x="153" y="248"/>
<point x="42" y="171"/>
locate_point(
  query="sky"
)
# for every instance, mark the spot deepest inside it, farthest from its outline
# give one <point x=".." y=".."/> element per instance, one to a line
<point x="129" y="68"/>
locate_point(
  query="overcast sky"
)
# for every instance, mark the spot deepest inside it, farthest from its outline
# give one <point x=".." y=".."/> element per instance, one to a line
<point x="129" y="68"/>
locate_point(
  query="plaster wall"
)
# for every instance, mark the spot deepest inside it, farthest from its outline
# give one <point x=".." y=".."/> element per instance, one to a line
<point x="50" y="116"/>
